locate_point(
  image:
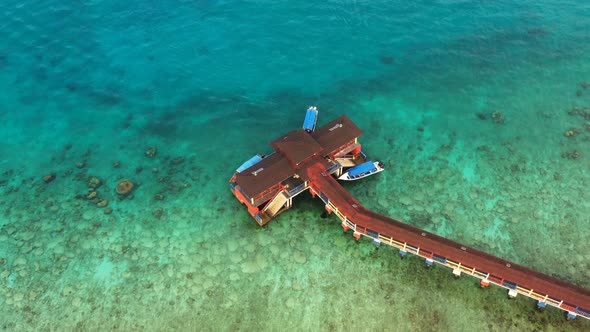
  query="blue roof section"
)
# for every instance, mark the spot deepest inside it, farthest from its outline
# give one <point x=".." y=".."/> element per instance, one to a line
<point x="362" y="168"/>
<point x="249" y="163"/>
<point x="310" y="119"/>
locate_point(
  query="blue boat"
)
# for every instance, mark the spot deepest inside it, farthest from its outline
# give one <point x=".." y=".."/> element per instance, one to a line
<point x="311" y="119"/>
<point x="249" y="163"/>
<point x="362" y="170"/>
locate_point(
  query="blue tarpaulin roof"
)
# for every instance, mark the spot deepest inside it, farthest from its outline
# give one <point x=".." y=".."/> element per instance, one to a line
<point x="310" y="119"/>
<point x="250" y="162"/>
<point x="361" y="168"/>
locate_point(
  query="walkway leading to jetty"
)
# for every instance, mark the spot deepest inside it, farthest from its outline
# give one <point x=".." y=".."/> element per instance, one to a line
<point x="436" y="249"/>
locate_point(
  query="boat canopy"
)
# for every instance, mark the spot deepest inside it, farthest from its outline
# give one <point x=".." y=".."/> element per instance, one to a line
<point x="311" y="118"/>
<point x="365" y="167"/>
<point x="249" y="163"/>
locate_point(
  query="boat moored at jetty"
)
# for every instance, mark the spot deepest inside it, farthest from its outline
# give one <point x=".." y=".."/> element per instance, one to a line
<point x="362" y="170"/>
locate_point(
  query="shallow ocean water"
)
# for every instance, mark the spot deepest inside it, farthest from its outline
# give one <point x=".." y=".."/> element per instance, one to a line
<point x="468" y="103"/>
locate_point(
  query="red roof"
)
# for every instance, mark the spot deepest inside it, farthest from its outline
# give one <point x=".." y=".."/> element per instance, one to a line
<point x="294" y="150"/>
<point x="336" y="133"/>
<point x="271" y="170"/>
<point x="297" y="146"/>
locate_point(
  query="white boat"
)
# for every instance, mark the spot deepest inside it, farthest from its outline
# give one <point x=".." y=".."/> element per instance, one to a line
<point x="362" y="170"/>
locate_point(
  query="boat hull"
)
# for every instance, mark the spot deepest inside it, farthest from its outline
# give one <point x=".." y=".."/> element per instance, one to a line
<point x="378" y="168"/>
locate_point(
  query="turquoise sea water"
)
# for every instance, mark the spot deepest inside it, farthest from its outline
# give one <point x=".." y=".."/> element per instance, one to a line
<point x="468" y="103"/>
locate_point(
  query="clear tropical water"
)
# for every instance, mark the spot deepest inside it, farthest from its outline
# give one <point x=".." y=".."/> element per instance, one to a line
<point x="468" y="103"/>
